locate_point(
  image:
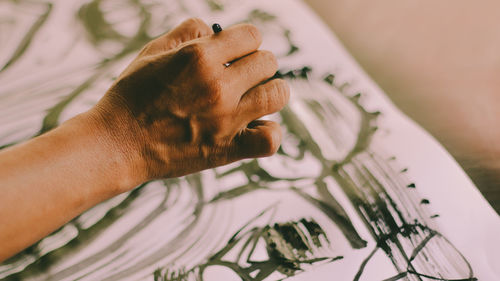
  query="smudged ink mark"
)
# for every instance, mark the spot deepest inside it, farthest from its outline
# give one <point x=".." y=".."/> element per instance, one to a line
<point x="410" y="271"/>
<point x="364" y="263"/>
<point x="8" y="145"/>
<point x="411" y="185"/>
<point x="172" y="275"/>
<point x="343" y="88"/>
<point x="289" y="246"/>
<point x="425" y="201"/>
<point x="84" y="237"/>
<point x="236" y="192"/>
<point x="293" y="48"/>
<point x="330" y="79"/>
<point x="28" y="37"/>
<point x="98" y="28"/>
<point x="300" y="73"/>
<point x="51" y="120"/>
<point x="337" y="214"/>
<point x="260" y="15"/>
<point x="215" y="5"/>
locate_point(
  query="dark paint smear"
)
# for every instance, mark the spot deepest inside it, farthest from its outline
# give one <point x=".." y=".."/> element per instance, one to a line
<point x="339" y="218"/>
<point x="215" y="5"/>
<point x="28" y="37"/>
<point x="98" y="29"/>
<point x="287" y="245"/>
<point x="197" y="186"/>
<point x="51" y="120"/>
<point x="389" y="235"/>
<point x="363" y="187"/>
<point x="85" y="236"/>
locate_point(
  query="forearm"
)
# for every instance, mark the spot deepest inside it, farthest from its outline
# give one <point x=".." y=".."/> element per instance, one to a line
<point x="49" y="180"/>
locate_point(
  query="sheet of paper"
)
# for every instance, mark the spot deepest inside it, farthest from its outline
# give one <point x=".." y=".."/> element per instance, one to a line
<point x="357" y="191"/>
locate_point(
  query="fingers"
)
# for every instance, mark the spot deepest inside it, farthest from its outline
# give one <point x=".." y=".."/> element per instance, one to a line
<point x="264" y="99"/>
<point x="188" y="30"/>
<point x="235" y="42"/>
<point x="254" y="69"/>
<point x="260" y="139"/>
<point x="225" y="46"/>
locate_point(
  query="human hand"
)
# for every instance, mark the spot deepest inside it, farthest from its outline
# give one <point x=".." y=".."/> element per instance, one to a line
<point x="177" y="109"/>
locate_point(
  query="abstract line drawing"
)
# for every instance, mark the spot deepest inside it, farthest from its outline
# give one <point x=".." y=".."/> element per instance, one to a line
<point x="333" y="195"/>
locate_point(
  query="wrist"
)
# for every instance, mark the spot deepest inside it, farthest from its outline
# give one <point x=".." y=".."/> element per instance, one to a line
<point x="108" y="139"/>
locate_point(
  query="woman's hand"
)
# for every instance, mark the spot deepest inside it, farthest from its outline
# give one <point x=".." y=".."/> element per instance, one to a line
<point x="177" y="109"/>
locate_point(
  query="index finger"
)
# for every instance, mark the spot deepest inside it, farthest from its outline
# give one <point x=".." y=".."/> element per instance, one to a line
<point x="235" y="42"/>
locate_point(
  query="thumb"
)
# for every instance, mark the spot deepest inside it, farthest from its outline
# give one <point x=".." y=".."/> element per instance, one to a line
<point x="260" y="139"/>
<point x="188" y="30"/>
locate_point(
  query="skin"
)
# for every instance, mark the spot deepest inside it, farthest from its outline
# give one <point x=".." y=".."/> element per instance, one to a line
<point x="176" y="109"/>
<point x="439" y="62"/>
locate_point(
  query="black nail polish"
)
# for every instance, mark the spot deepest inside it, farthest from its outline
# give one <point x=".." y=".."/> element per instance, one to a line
<point x="216" y="28"/>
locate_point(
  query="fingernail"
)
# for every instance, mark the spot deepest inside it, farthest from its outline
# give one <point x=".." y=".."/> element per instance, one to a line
<point x="216" y="28"/>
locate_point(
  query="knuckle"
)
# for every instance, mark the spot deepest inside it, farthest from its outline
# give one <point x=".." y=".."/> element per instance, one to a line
<point x="194" y="22"/>
<point x="261" y="102"/>
<point x="198" y="26"/>
<point x="148" y="48"/>
<point x="216" y="131"/>
<point x="210" y="90"/>
<point x="274" y="96"/>
<point x="195" y="53"/>
<point x="283" y="91"/>
<point x="271" y="141"/>
<point x="270" y="59"/>
<point x="213" y="90"/>
<point x="253" y="32"/>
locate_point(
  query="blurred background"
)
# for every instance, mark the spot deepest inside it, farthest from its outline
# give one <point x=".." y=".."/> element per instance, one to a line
<point x="439" y="61"/>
